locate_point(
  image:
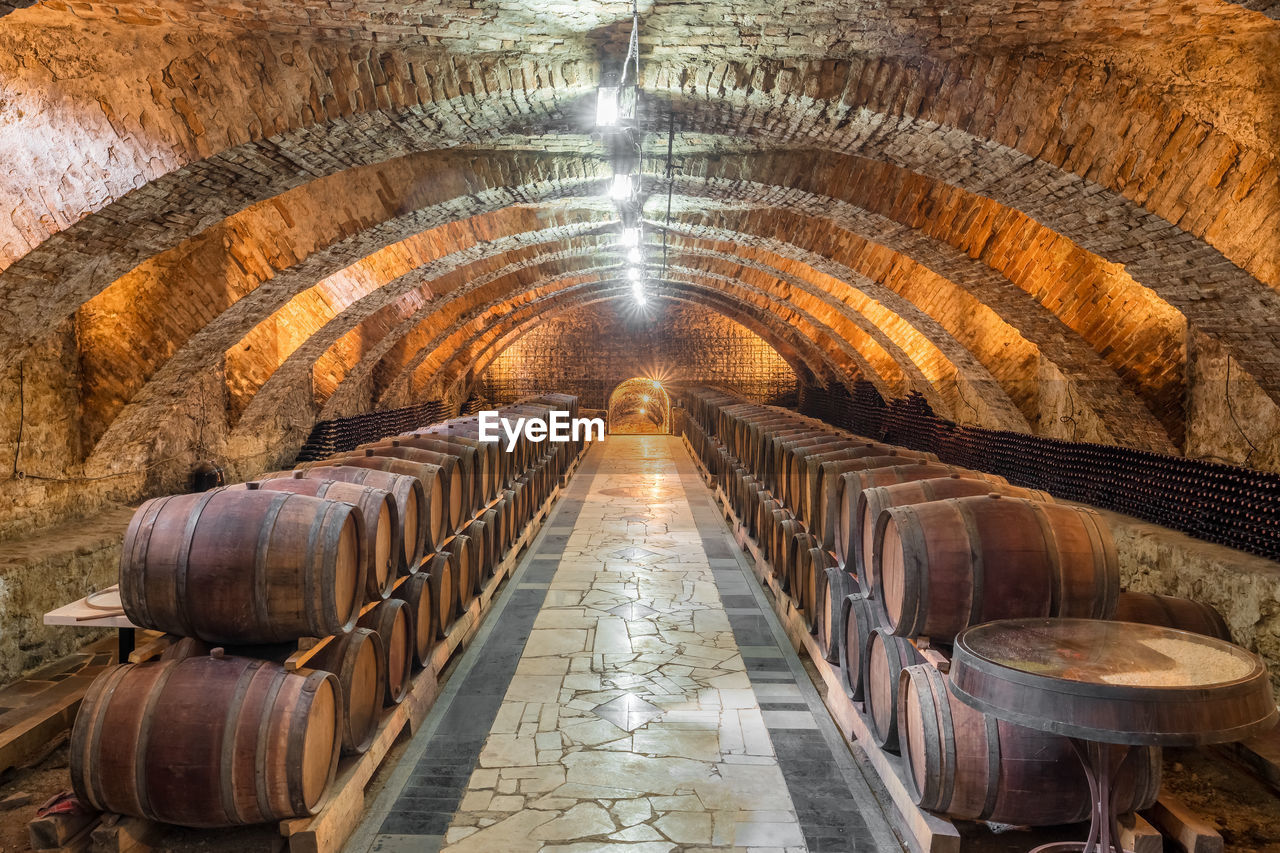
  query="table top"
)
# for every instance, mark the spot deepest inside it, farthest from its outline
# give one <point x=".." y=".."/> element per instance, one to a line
<point x="97" y="610"/>
<point x="1118" y="682"/>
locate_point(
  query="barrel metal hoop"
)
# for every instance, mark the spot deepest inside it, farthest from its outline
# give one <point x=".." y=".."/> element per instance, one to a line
<point x="948" y="754"/>
<point x="133" y="585"/>
<point x="260" y="765"/>
<point x="1106" y="565"/>
<point x="184" y="556"/>
<point x="993" y="763"/>
<point x="94" y="745"/>
<point x="261" y="595"/>
<point x="975" y="560"/>
<point x="228" y="751"/>
<point x="144" y="740"/>
<point x="928" y="791"/>
<point x="1058" y="593"/>
<point x="318" y="621"/>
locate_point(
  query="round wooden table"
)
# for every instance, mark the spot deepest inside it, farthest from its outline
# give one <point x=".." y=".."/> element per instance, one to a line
<point x="1109" y="686"/>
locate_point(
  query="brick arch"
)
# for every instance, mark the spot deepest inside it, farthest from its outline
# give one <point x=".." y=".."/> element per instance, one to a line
<point x="462" y="361"/>
<point x="392" y="375"/>
<point x="452" y="353"/>
<point x="1053" y="292"/>
<point x="482" y="294"/>
<point x="730" y="95"/>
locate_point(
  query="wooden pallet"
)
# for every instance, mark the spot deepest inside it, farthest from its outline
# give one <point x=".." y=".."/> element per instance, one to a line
<point x="329" y="830"/>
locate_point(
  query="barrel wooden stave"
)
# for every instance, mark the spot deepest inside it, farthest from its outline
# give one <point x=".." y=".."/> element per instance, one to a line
<point x="885" y="657"/>
<point x="416" y="593"/>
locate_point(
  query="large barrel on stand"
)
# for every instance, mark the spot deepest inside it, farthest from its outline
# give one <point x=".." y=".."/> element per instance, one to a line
<point x="243" y="566"/>
<point x="207" y="741"/>
<point x="455" y="487"/>
<point x="946" y="565"/>
<point x="431" y="508"/>
<point x="969" y="765"/>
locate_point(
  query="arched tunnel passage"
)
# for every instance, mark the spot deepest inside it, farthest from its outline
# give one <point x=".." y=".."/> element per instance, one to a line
<point x="639" y="406"/>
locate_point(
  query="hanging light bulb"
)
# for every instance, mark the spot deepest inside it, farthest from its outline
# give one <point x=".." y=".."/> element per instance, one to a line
<point x="634" y="256"/>
<point x="607" y="107"/>
<point x="620" y="189"/>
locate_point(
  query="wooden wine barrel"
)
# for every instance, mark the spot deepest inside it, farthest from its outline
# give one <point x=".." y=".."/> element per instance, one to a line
<point x="406" y="491"/>
<point x="487" y="463"/>
<point x="441" y="576"/>
<point x="381" y="523"/>
<point x="821" y="493"/>
<point x="436" y="465"/>
<point x="971" y="766"/>
<point x="830" y="612"/>
<point x="853" y="484"/>
<point x="875" y="499"/>
<point x="251" y="566"/>
<point x="431" y="508"/>
<point x="477" y="532"/>
<point x="415" y="592"/>
<point x="455" y="495"/>
<point x="885" y="658"/>
<point x="810" y="580"/>
<point x="1172" y="612"/>
<point x="391" y="620"/>
<point x="859" y="616"/>
<point x="831" y="479"/>
<point x="358" y="661"/>
<point x="472" y="466"/>
<point x="805" y="465"/>
<point x="946" y="565"/>
<point x="507" y="506"/>
<point x="207" y="741"/>
<point x="462" y="556"/>
<point x="495" y="536"/>
<point x="782" y="550"/>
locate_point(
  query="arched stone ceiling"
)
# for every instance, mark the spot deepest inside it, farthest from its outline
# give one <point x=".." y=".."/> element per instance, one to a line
<point x="335" y="208"/>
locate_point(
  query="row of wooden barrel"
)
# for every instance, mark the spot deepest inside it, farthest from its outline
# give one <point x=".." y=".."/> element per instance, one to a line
<point x="923" y="548"/>
<point x="253" y="568"/>
<point x="297" y="553"/>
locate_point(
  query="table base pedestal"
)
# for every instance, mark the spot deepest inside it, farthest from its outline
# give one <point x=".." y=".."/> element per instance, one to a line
<point x="1102" y="763"/>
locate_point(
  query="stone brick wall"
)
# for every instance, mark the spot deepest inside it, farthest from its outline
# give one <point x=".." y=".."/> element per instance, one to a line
<point x="589" y="351"/>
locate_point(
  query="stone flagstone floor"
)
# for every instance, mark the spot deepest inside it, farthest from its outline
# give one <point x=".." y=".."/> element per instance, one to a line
<point x="630" y="722"/>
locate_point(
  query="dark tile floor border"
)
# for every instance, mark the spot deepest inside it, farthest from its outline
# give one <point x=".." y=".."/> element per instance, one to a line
<point x="419" y="804"/>
<point x="834" y="797"/>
